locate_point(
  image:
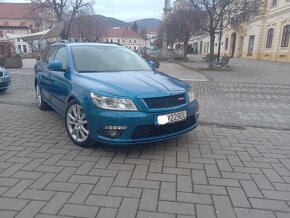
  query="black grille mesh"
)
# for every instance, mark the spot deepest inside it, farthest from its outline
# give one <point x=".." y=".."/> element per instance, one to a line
<point x="165" y="102"/>
<point x="152" y="131"/>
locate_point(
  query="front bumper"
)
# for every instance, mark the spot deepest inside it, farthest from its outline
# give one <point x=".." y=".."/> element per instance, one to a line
<point x="5" y="82"/>
<point x="141" y="126"/>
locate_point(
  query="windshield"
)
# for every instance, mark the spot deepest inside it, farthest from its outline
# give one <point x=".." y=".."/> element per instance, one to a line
<point x="97" y="58"/>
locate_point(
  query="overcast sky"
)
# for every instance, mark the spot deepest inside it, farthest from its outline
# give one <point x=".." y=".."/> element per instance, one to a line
<point x="127" y="10"/>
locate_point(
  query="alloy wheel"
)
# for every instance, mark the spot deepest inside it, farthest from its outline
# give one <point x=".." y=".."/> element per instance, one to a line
<point x="77" y="123"/>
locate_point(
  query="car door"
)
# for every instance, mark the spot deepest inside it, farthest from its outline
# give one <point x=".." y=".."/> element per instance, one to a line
<point x="60" y="88"/>
<point x="45" y="79"/>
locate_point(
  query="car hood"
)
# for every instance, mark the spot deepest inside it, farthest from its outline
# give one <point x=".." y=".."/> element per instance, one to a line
<point x="134" y="83"/>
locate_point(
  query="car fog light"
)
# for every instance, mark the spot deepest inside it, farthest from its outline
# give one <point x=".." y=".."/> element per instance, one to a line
<point x="116" y="127"/>
<point x="113" y="133"/>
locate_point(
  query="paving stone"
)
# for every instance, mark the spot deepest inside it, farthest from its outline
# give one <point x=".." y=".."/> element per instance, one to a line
<point x="238" y="197"/>
<point x="128" y="208"/>
<point x="61" y="186"/>
<point x="199" y="177"/>
<point x="12" y="204"/>
<point x="212" y="170"/>
<point x="223" y="206"/>
<point x="33" y="194"/>
<point x="168" y="191"/>
<point x="107" y="212"/>
<point x="43" y="181"/>
<point x="277" y="195"/>
<point x="81" y="194"/>
<point x="262" y="182"/>
<point x="193" y="198"/>
<point x="184" y="183"/>
<point x="125" y="192"/>
<point x="210" y="189"/>
<point x="122" y="178"/>
<point x="149" y="200"/>
<point x="161" y="177"/>
<point x="18" y="188"/>
<point x="104" y="201"/>
<point x="205" y="211"/>
<point x="76" y="210"/>
<point x="140" y="172"/>
<point x="103" y="185"/>
<point x="145" y="184"/>
<point x="7" y="214"/>
<point x="269" y="204"/>
<point x="224" y="182"/>
<point x="253" y="213"/>
<point x="31" y="209"/>
<point x="272" y="175"/>
<point x="83" y="179"/>
<point x="145" y="214"/>
<point x="176" y="208"/>
<point x="251" y="189"/>
<point x="56" y="203"/>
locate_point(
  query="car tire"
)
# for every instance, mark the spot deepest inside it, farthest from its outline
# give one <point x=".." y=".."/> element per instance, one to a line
<point x="39" y="98"/>
<point x="77" y="125"/>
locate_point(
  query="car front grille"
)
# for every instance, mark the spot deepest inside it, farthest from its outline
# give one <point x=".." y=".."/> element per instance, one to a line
<point x="153" y="131"/>
<point x="165" y="102"/>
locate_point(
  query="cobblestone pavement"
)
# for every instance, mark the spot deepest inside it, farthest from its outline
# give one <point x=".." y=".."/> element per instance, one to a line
<point x="209" y="172"/>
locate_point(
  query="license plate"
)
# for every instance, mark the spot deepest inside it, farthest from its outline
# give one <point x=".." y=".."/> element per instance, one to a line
<point x="171" y="118"/>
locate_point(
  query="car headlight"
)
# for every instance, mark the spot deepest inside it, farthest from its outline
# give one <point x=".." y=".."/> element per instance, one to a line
<point x="119" y="104"/>
<point x="5" y="72"/>
<point x="191" y="96"/>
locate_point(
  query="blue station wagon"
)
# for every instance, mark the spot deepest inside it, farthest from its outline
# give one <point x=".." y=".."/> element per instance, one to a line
<point x="109" y="94"/>
<point x="5" y="80"/>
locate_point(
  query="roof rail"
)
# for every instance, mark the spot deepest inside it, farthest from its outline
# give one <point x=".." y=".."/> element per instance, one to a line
<point x="60" y="41"/>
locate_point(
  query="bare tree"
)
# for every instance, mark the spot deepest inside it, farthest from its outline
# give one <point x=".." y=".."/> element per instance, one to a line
<point x="86" y="28"/>
<point x="219" y="14"/>
<point x="181" y="26"/>
<point x="64" y="10"/>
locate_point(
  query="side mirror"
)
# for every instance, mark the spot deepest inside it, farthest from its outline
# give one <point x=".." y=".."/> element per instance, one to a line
<point x="152" y="64"/>
<point x="55" y="66"/>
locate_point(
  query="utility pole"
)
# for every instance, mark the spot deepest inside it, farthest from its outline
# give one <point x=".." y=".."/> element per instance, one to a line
<point x="166" y="9"/>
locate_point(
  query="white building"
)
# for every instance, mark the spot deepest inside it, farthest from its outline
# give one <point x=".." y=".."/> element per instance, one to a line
<point x="124" y="36"/>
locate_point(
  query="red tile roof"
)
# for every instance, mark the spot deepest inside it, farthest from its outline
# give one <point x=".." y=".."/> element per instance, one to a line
<point x="124" y="32"/>
<point x="19" y="10"/>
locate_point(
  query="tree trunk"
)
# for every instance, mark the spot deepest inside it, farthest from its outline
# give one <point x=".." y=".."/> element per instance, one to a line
<point x="211" y="46"/>
<point x="185" y="44"/>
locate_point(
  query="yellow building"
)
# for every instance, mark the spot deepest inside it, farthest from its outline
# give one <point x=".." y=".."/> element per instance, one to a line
<point x="265" y="38"/>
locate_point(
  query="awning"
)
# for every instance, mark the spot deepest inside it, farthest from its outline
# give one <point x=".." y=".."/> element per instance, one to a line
<point x="54" y="32"/>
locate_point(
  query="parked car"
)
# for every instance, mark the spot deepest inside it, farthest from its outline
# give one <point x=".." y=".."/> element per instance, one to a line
<point x="150" y="53"/>
<point x="5" y="79"/>
<point x="109" y="94"/>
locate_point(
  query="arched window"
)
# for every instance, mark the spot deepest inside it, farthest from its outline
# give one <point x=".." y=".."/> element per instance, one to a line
<point x="227" y="43"/>
<point x="270" y="38"/>
<point x="285" y="36"/>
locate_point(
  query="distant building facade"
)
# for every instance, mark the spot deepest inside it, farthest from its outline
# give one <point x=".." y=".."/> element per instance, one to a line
<point x="20" y="19"/>
<point x="124" y="36"/>
<point x="151" y="34"/>
<point x="265" y="38"/>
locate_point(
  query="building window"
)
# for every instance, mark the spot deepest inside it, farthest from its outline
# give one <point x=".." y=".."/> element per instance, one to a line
<point x="118" y="41"/>
<point x="227" y="44"/>
<point x="107" y="40"/>
<point x="25" y="48"/>
<point x="270" y="38"/>
<point x="123" y="41"/>
<point x="285" y="36"/>
<point x="251" y="45"/>
<point x="129" y="41"/>
<point x="19" y="48"/>
<point x="274" y="3"/>
<point x="135" y="41"/>
<point x="111" y="40"/>
<point x="1" y="34"/>
<point x="134" y="48"/>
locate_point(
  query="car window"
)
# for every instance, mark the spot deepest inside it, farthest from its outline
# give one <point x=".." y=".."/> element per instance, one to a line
<point x="43" y="54"/>
<point x="96" y="58"/>
<point x="61" y="55"/>
<point x="50" y="54"/>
